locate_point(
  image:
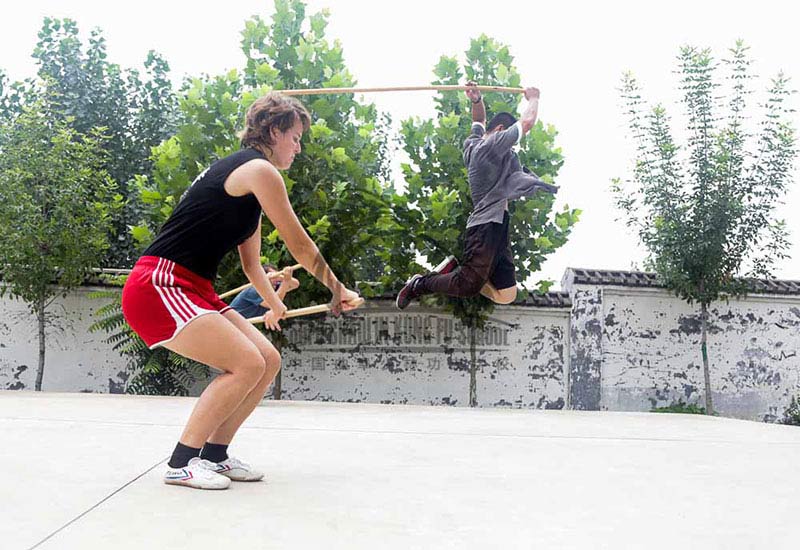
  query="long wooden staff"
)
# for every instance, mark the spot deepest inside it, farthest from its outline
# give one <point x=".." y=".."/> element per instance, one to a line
<point x="310" y="310"/>
<point x="441" y="88"/>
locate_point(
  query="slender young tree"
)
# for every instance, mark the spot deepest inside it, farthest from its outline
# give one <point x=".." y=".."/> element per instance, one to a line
<point x="55" y="203"/>
<point x="706" y="212"/>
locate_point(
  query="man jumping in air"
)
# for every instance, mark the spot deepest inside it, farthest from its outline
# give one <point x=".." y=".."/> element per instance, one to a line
<point x="495" y="178"/>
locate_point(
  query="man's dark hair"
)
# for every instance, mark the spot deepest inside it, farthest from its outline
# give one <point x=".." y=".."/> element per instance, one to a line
<point x="506" y="119"/>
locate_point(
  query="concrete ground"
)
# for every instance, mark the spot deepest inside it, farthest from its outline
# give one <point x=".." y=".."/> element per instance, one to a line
<point x="83" y="471"/>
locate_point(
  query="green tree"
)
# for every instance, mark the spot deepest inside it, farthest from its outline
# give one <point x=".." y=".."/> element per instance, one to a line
<point x="55" y="198"/>
<point x="438" y="190"/>
<point x="706" y="212"/>
<point x="136" y="112"/>
<point x="338" y="185"/>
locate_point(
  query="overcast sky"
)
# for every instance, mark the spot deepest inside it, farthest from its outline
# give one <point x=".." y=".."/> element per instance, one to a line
<point x="575" y="52"/>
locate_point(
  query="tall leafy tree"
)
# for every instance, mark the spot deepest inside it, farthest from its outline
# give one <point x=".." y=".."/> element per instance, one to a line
<point x="438" y="190"/>
<point x="135" y="111"/>
<point x="55" y="207"/>
<point x="338" y="185"/>
<point x="706" y="212"/>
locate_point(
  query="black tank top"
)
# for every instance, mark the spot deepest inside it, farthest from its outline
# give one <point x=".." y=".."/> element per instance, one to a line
<point x="208" y="222"/>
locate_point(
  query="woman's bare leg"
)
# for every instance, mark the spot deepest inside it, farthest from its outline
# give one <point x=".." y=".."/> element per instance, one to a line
<point x="215" y="341"/>
<point x="224" y="433"/>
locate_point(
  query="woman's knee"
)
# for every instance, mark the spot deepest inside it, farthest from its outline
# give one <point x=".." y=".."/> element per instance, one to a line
<point x="251" y="368"/>
<point x="272" y="361"/>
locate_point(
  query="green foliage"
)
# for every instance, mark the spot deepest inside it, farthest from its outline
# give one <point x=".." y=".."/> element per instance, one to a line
<point x="706" y="212"/>
<point x="337" y="185"/>
<point x="151" y="372"/>
<point x="681" y="408"/>
<point x="791" y="415"/>
<point x="438" y="190"/>
<point x="135" y="113"/>
<point x="56" y="201"/>
<point x="13" y="95"/>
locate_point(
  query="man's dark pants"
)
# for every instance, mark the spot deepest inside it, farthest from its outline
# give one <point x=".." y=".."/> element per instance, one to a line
<point x="487" y="258"/>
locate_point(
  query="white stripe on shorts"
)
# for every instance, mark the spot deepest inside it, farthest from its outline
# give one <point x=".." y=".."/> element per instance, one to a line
<point x="182" y="304"/>
<point x="158" y="280"/>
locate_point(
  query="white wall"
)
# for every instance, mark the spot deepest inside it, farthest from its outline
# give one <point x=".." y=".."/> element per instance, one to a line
<point x="650" y="352"/>
<point x="76" y="360"/>
<point x="620" y="348"/>
<point x="421" y="356"/>
<point x="376" y="354"/>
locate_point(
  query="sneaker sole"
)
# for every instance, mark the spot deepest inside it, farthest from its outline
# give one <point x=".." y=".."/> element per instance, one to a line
<point x="191" y="486"/>
<point x="397" y="303"/>
<point x="230" y="474"/>
<point x="246" y="480"/>
<point x="397" y="300"/>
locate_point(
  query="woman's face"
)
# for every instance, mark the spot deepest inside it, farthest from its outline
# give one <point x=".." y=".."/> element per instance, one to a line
<point x="286" y="145"/>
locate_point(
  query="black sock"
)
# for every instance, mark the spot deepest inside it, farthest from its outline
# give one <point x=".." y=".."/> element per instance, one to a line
<point x="182" y="455"/>
<point x="214" y="452"/>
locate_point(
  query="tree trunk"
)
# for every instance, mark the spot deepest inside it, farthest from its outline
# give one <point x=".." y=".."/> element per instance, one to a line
<point x="473" y="366"/>
<point x="40" y="318"/>
<point x="276" y="385"/>
<point x="704" y="350"/>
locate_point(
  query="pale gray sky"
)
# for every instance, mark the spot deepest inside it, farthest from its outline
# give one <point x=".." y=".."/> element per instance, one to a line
<point x="575" y="52"/>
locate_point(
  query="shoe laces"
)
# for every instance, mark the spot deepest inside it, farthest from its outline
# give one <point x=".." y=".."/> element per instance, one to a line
<point x="236" y="463"/>
<point x="204" y="468"/>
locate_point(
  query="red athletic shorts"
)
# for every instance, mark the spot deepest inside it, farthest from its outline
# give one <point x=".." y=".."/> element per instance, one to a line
<point x="161" y="297"/>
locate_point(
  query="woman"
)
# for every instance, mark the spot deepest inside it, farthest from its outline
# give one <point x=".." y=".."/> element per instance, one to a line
<point x="169" y="299"/>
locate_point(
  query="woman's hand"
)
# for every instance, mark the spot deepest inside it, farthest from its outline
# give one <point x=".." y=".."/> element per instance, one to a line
<point x="341" y="298"/>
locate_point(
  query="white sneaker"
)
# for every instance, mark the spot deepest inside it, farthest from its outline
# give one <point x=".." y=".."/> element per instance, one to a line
<point x="237" y="470"/>
<point x="198" y="474"/>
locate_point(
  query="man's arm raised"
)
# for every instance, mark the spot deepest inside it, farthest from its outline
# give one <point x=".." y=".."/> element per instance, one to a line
<point x="531" y="110"/>
<point x="478" y="108"/>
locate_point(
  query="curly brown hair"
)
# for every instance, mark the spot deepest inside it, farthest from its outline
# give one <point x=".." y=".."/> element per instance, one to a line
<point x="273" y="110"/>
